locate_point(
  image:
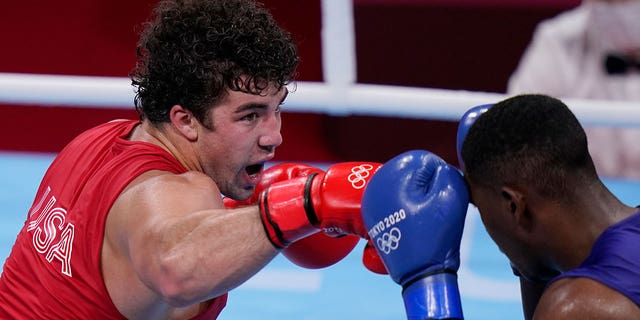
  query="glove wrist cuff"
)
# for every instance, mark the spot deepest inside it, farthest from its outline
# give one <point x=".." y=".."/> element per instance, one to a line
<point x="283" y="212"/>
<point x="435" y="296"/>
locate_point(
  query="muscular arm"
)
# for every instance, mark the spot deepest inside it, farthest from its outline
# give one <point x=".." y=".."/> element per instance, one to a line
<point x="178" y="243"/>
<point x="582" y="298"/>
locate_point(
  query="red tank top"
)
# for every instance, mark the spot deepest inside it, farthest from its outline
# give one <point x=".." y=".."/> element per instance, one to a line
<point x="53" y="271"/>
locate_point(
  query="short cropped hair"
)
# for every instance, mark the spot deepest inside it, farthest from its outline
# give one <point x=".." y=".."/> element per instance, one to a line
<point x="192" y="51"/>
<point x="528" y="139"/>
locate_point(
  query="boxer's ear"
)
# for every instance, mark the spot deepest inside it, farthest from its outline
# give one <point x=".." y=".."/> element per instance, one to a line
<point x="184" y="122"/>
<point x="515" y="202"/>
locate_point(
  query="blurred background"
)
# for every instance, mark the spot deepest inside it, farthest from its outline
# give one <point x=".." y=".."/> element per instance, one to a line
<point x="450" y="44"/>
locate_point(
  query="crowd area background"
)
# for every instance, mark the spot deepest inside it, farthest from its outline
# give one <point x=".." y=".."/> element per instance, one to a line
<point x="449" y="44"/>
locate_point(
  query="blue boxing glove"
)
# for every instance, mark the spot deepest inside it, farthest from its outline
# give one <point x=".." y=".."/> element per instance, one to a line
<point x="414" y="209"/>
<point x="468" y="118"/>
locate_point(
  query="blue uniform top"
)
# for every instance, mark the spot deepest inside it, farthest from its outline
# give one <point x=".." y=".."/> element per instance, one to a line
<point x="614" y="259"/>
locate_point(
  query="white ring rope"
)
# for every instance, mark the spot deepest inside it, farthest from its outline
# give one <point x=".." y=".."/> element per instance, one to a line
<point x="356" y="99"/>
<point x="338" y="95"/>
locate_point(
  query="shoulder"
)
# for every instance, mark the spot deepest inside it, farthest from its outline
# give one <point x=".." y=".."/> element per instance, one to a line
<point x="182" y="187"/>
<point x="157" y="197"/>
<point x="162" y="179"/>
<point x="583" y="298"/>
<point x="160" y="194"/>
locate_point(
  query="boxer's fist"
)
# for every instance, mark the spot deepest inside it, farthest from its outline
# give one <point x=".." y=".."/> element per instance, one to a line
<point x="414" y="208"/>
<point x="337" y="195"/>
<point x="293" y="209"/>
<point x="318" y="250"/>
<point x="468" y="118"/>
<point x="371" y="259"/>
<point x="276" y="173"/>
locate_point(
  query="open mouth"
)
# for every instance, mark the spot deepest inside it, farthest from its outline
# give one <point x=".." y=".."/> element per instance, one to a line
<point x="254" y="169"/>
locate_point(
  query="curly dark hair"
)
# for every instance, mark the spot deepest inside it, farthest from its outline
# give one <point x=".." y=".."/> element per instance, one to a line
<point x="531" y="139"/>
<point x="192" y="51"/>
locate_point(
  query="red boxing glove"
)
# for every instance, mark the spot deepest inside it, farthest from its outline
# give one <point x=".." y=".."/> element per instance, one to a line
<point x="320" y="250"/>
<point x="315" y="251"/>
<point x="276" y="173"/>
<point x="296" y="208"/>
<point x="371" y="260"/>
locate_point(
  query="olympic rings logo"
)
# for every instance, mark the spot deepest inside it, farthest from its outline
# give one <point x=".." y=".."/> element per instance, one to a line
<point x="389" y="240"/>
<point x="359" y="175"/>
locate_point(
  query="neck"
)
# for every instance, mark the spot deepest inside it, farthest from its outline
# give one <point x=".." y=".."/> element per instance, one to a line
<point x="594" y="210"/>
<point x="168" y="139"/>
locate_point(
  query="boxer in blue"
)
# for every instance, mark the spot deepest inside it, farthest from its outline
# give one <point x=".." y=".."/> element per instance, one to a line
<point x="571" y="241"/>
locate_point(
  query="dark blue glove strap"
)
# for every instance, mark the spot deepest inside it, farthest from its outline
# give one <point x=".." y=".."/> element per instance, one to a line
<point x="433" y="297"/>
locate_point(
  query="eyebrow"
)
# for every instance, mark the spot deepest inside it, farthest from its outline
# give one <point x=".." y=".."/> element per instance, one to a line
<point x="259" y="106"/>
<point x="251" y="106"/>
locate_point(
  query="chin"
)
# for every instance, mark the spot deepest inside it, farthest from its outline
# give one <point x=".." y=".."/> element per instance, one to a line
<point x="241" y="194"/>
